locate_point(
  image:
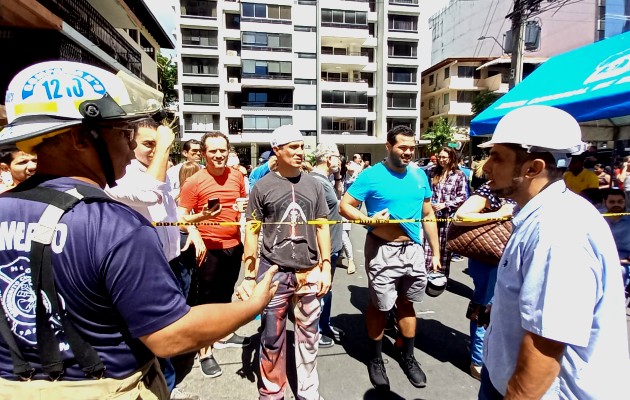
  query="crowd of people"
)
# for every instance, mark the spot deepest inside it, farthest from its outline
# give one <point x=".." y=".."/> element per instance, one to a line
<point x="101" y="221"/>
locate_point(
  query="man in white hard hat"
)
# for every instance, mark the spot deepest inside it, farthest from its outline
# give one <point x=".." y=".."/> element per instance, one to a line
<point x="89" y="298"/>
<point x="558" y="327"/>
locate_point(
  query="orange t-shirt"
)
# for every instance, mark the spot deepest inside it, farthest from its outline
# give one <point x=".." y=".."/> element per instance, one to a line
<point x="203" y="186"/>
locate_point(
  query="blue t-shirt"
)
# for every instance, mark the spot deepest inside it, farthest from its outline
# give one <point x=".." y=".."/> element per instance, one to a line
<point x="110" y="272"/>
<point x="401" y="193"/>
<point x="257" y="174"/>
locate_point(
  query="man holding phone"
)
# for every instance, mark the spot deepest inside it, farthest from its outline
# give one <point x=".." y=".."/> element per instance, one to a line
<point x="216" y="189"/>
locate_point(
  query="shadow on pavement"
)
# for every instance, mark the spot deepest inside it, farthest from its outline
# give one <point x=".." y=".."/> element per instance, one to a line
<point x="459" y="288"/>
<point x="183" y="364"/>
<point x="249" y="358"/>
<point x="439" y="341"/>
<point x="374" y="394"/>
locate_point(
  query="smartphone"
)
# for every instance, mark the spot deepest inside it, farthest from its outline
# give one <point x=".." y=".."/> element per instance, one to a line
<point x="212" y="203"/>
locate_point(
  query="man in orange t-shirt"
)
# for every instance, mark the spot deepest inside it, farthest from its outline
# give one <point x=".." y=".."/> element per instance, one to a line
<point x="216" y="277"/>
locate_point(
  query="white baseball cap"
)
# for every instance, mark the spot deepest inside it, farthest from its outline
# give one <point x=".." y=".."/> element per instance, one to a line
<point x="285" y="134"/>
<point x="539" y="128"/>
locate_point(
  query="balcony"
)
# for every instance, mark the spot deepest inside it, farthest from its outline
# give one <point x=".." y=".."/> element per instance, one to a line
<point x="355" y="85"/>
<point x="342" y="30"/>
<point x="86" y="20"/>
<point x="275" y="81"/>
<point x="231" y="6"/>
<point x="408" y="7"/>
<point x="198" y="9"/>
<point x="355" y="60"/>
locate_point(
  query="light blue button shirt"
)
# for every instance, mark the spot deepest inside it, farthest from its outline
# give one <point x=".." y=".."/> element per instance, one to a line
<point x="559" y="278"/>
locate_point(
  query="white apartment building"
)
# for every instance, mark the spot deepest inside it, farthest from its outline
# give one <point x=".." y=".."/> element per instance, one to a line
<point x="249" y="66"/>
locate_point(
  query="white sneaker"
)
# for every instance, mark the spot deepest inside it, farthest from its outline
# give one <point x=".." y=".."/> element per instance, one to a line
<point x="351" y="267"/>
<point x="475" y="371"/>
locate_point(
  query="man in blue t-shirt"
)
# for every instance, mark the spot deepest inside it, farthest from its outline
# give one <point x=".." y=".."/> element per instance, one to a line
<point x="394" y="256"/>
<point x="107" y="267"/>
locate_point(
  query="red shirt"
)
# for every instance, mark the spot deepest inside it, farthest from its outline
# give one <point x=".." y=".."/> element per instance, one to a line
<point x="203" y="186"/>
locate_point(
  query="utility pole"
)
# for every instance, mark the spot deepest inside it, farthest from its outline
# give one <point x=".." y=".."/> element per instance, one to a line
<point x="518" y="42"/>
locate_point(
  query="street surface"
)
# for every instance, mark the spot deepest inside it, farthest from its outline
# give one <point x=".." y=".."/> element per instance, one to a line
<point x="441" y="348"/>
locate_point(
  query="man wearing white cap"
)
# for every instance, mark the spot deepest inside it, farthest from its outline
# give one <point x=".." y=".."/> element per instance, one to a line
<point x="284" y="201"/>
<point x="558" y="327"/>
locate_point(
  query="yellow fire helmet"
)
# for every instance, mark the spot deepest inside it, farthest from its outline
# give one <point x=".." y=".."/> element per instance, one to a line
<point x="48" y="98"/>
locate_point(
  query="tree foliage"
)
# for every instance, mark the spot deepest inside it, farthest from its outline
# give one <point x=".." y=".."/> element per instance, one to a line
<point x="483" y="100"/>
<point x="167" y="79"/>
<point x="440" y="134"/>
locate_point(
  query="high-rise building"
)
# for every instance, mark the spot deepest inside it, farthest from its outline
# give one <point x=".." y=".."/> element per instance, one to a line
<point x="247" y="67"/>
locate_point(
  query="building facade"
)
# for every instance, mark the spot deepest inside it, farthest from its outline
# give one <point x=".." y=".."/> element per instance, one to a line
<point x="469" y="49"/>
<point x="341" y="71"/>
<point x="115" y="35"/>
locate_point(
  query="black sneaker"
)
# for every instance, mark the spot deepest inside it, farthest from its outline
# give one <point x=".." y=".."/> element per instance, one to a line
<point x="414" y="373"/>
<point x="234" y="341"/>
<point x="378" y="375"/>
<point x="325" y="341"/>
<point x="210" y="367"/>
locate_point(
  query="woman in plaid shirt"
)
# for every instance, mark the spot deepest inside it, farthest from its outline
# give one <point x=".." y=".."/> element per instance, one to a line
<point x="450" y="190"/>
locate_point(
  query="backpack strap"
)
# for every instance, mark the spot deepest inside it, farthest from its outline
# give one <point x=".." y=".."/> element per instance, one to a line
<point x="43" y="284"/>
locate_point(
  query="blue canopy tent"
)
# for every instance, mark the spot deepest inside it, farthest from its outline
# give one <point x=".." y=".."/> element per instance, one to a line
<point x="592" y="83"/>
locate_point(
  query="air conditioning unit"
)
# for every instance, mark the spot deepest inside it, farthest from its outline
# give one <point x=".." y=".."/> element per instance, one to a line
<point x="233" y="80"/>
<point x="231" y="53"/>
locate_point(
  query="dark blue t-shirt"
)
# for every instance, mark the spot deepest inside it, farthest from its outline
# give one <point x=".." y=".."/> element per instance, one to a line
<point x="110" y="272"/>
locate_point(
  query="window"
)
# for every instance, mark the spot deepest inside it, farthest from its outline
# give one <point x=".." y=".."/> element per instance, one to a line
<point x="401" y="75"/>
<point x="405" y="23"/>
<point x="201" y="122"/>
<point x="402" y="49"/>
<point x="264" y="122"/>
<point x="266" y="41"/>
<point x="431" y="104"/>
<point x="338" y="98"/>
<point x="201" y="95"/>
<point x="201" y="66"/>
<point x="392" y="122"/>
<point x="199" y="37"/>
<point x="268" y="98"/>
<point x="299" y="28"/>
<point x="307" y="55"/>
<point x="446" y="98"/>
<point x="267" y="11"/>
<point x="341" y="125"/>
<point x="266" y="69"/>
<point x="468" y="72"/>
<point x="401" y="100"/>
<point x="431" y="79"/>
<point x="466" y="96"/>
<point x="447" y="72"/>
<point x="305" y="107"/>
<point x="463" y="120"/>
<point x="199" y="8"/>
<point x="299" y="81"/>
<point x="344" y="17"/>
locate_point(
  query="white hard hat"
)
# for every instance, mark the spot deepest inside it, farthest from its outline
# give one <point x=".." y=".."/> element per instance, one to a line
<point x="48" y="98"/>
<point x="539" y="128"/>
<point x="285" y="134"/>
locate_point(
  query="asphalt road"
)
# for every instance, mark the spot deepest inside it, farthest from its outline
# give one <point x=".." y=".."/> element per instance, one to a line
<point x="441" y="348"/>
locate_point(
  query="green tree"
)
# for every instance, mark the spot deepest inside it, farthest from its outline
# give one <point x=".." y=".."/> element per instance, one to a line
<point x="167" y="79"/>
<point x="483" y="100"/>
<point x="440" y="134"/>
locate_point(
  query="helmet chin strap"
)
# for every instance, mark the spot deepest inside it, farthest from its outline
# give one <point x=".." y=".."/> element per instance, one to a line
<point x="103" y="156"/>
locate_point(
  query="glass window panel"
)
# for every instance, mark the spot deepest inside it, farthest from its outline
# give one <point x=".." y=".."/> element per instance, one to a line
<point x="249" y="66"/>
<point x="273" y="41"/>
<point x="360" y="124"/>
<point x="361" y="18"/>
<point x="285" y="67"/>
<point x="249" y="38"/>
<point x="285" y="12"/>
<point x="350" y="17"/>
<point x="285" y="41"/>
<point x="286" y="120"/>
<point x="261" y="39"/>
<point x="326" y="15"/>
<point x="249" y="123"/>
<point x="248" y="10"/>
<point x="327" y="123"/>
<point x="327" y="97"/>
<point x="273" y="12"/>
<point x="337" y="97"/>
<point x="274" y="122"/>
<point x="261" y="11"/>
<point x="261" y="123"/>
<point x="337" y="16"/>
<point x="261" y="68"/>
<point x="274" y="67"/>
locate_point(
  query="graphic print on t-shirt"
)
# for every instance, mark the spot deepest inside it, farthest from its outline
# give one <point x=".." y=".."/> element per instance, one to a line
<point x="19" y="301"/>
<point x="295" y="216"/>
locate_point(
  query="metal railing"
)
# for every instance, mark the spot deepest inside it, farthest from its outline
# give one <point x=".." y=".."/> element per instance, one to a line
<point x="349" y="53"/>
<point x="86" y="20"/>
<point x="344" y="105"/>
<point x="404" y="2"/>
<point x="260" y="76"/>
<point x="266" y="104"/>
<point x="344" y="132"/>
